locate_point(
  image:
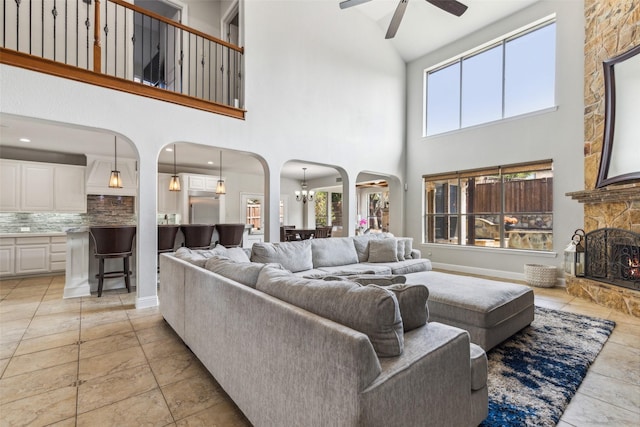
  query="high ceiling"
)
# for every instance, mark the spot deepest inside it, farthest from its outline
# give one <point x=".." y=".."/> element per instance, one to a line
<point x="425" y="28"/>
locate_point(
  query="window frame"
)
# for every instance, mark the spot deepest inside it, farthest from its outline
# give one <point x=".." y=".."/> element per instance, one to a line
<point x="459" y="59"/>
<point x="437" y="225"/>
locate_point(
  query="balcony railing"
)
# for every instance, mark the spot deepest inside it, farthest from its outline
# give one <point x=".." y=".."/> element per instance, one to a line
<point x="119" y="45"/>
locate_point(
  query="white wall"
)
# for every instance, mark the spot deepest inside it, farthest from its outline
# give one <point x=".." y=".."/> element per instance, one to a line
<point x="321" y="85"/>
<point x="556" y="135"/>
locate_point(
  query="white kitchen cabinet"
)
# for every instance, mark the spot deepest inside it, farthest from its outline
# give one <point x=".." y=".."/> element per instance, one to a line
<point x="201" y="182"/>
<point x="29" y="255"/>
<point x="41" y="187"/>
<point x="9" y="186"/>
<point x="98" y="172"/>
<point x="167" y="200"/>
<point x="69" y="189"/>
<point x="37" y="187"/>
<point x="58" y="253"/>
<point x="32" y="255"/>
<point x="7" y="256"/>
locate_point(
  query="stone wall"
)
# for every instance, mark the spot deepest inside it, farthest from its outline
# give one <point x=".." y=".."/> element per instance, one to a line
<point x="611" y="28"/>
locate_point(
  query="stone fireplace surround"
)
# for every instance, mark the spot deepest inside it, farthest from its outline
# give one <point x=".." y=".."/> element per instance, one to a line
<point x="611" y="28"/>
<point x="614" y="207"/>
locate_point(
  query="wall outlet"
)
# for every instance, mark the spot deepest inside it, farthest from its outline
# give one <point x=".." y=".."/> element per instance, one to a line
<point x="25" y="228"/>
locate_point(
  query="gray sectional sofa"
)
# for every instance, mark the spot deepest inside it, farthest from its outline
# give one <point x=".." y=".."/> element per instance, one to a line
<point x="340" y="331"/>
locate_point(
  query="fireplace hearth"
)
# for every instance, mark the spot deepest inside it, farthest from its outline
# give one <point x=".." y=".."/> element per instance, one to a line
<point x="612" y="255"/>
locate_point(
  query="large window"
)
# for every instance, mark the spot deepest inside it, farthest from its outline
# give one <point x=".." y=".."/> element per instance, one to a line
<point x="501" y="207"/>
<point x="328" y="208"/>
<point x="513" y="76"/>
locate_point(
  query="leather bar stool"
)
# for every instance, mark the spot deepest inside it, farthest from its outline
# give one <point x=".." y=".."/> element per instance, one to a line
<point x="197" y="236"/>
<point x="230" y="235"/>
<point x="167" y="237"/>
<point x="113" y="242"/>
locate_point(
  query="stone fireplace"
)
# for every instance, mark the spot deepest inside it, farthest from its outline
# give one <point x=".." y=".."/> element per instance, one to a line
<point x="611" y="28"/>
<point x="613" y="256"/>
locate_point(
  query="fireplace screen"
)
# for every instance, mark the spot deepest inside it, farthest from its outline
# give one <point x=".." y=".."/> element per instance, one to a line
<point x="612" y="255"/>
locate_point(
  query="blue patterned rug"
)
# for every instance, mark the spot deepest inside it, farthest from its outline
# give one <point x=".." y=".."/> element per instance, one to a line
<point x="534" y="375"/>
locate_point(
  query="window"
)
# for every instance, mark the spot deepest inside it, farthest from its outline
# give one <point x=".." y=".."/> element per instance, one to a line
<point x="501" y="207"/>
<point x="515" y="75"/>
<point x="328" y="213"/>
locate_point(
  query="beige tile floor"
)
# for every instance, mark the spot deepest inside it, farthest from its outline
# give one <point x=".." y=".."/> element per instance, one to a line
<point x="100" y="362"/>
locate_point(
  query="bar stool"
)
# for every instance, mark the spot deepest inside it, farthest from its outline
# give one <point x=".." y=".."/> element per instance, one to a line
<point x="230" y="235"/>
<point x="167" y="237"/>
<point x="197" y="236"/>
<point x="113" y="242"/>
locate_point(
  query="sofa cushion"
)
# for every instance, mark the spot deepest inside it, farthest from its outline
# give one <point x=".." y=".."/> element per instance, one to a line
<point x="241" y="272"/>
<point x="371" y="310"/>
<point x="406" y="243"/>
<point x="333" y="251"/>
<point x="361" y="243"/>
<point x="405" y="267"/>
<point x="237" y="254"/>
<point x="400" y="249"/>
<point x="412" y="300"/>
<point x="372" y="279"/>
<point x="294" y="256"/>
<point x="383" y="250"/>
<point x="478" y="367"/>
<point x="351" y="269"/>
<point x="199" y="256"/>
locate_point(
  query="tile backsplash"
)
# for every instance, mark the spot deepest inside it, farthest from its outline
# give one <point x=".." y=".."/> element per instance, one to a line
<point x="101" y="210"/>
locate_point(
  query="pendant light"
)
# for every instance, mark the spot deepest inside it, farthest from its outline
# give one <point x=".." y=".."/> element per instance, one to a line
<point x="220" y="187"/>
<point x="114" y="180"/>
<point x="174" y="184"/>
<point x="304" y="196"/>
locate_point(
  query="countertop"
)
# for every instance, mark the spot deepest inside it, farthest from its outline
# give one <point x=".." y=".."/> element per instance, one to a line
<point x="35" y="234"/>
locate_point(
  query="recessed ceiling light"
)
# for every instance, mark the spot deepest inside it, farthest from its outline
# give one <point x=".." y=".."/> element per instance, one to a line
<point x="209" y="162"/>
<point x="168" y="149"/>
<point x="25" y="140"/>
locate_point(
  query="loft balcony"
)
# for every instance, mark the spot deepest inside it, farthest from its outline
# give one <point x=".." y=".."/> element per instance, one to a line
<point x="121" y="46"/>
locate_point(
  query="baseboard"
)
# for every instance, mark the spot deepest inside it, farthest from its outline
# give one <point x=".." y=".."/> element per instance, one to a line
<point x="147" y="302"/>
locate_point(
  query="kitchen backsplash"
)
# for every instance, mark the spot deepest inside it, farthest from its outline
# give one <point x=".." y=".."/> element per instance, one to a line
<point x="101" y="210"/>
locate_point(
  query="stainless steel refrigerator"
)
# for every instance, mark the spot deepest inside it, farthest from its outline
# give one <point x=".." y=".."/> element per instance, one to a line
<point x="204" y="208"/>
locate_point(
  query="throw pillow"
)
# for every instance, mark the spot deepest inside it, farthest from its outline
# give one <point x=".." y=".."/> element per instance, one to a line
<point x="383" y="250"/>
<point x="294" y="256"/>
<point x="361" y="243"/>
<point x="371" y="279"/>
<point x="237" y="254"/>
<point x="400" y="249"/>
<point x="199" y="256"/>
<point x="371" y="310"/>
<point x="412" y="300"/>
<point x="332" y="252"/>
<point x="241" y="272"/>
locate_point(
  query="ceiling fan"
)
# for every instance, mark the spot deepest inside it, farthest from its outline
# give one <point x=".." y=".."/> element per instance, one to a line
<point x="452" y="6"/>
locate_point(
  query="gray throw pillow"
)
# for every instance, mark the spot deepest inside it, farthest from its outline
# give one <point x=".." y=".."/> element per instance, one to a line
<point x="412" y="300"/>
<point x="400" y="249"/>
<point x="294" y="256"/>
<point x="372" y="310"/>
<point x="407" y="243"/>
<point x="237" y="254"/>
<point x="361" y="243"/>
<point x="371" y="279"/>
<point x="241" y="272"/>
<point x="333" y="251"/>
<point x="383" y="250"/>
<point x="199" y="256"/>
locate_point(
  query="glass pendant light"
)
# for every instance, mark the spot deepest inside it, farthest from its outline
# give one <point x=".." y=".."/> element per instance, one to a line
<point x="174" y="184"/>
<point x="220" y="187"/>
<point x="115" y="181"/>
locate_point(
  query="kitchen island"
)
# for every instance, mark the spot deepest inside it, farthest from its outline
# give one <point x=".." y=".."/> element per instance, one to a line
<point x="82" y="266"/>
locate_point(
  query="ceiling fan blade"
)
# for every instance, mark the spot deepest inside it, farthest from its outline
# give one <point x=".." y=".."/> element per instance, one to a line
<point x="350" y="3"/>
<point x="396" y="19"/>
<point x="452" y="6"/>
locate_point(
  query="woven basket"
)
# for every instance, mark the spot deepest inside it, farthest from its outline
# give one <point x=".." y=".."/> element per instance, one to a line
<point x="543" y="276"/>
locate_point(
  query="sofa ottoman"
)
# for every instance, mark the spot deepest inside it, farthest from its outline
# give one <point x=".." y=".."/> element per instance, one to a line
<point x="491" y="311"/>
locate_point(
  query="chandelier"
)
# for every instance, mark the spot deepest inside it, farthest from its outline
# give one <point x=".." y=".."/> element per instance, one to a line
<point x="304" y="196"/>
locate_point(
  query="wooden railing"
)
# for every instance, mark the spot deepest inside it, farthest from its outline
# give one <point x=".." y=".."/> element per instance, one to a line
<point x="118" y="45"/>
